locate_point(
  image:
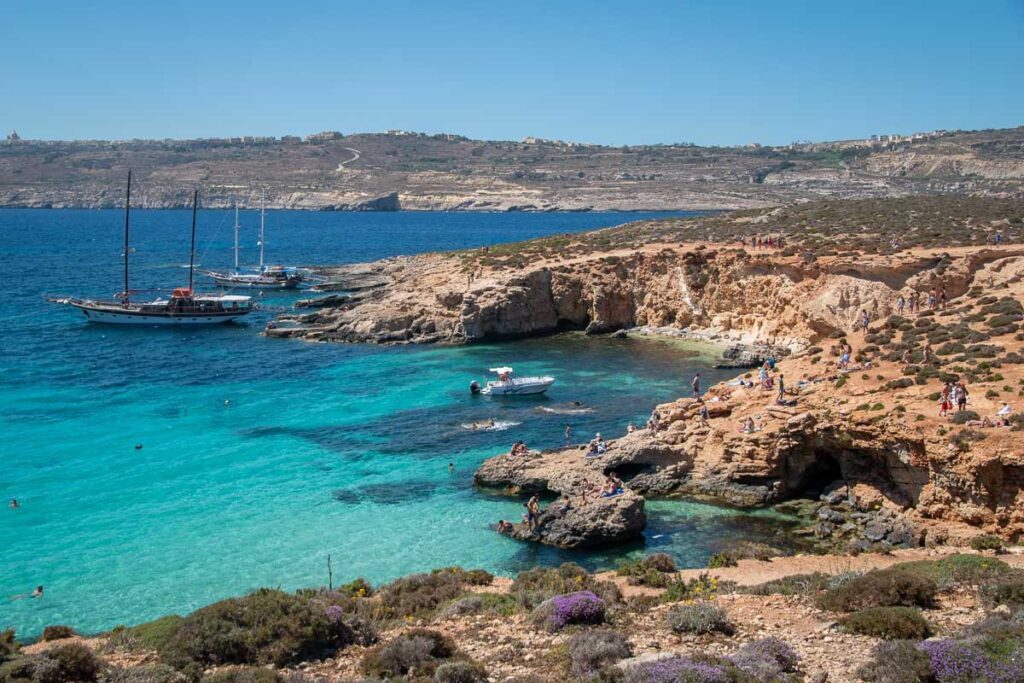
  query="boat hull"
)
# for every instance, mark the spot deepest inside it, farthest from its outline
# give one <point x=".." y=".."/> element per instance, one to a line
<point x="235" y="284"/>
<point x="107" y="316"/>
<point x="517" y="388"/>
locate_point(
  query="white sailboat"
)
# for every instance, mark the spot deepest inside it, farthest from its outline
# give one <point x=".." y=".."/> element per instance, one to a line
<point x="265" y="277"/>
<point x="183" y="307"/>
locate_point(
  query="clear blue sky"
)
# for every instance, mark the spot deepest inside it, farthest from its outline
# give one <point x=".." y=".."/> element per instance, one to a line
<point x="713" y="72"/>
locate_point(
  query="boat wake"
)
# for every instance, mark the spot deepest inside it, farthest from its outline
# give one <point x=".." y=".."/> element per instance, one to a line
<point x="574" y="408"/>
<point x="489" y="425"/>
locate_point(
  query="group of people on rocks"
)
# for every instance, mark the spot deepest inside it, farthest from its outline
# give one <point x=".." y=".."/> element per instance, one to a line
<point x="612" y="486"/>
<point x="597" y="446"/>
<point x="519" y="448"/>
<point x="767" y="242"/>
<point x="936" y="297"/>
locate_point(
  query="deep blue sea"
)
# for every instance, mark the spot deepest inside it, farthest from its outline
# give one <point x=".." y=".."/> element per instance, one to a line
<point x="262" y="456"/>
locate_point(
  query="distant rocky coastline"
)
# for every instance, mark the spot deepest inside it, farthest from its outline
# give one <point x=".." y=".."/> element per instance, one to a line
<point x="393" y="171"/>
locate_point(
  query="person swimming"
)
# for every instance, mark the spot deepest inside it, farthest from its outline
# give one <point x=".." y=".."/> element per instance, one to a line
<point x="138" y="446"/>
<point x="37" y="593"/>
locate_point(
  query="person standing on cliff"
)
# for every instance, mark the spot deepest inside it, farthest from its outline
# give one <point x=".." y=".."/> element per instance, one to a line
<point x="695" y="385"/>
<point x="900" y="302"/>
<point x="568" y="435"/>
<point x="961" y="397"/>
<point x="781" y="398"/>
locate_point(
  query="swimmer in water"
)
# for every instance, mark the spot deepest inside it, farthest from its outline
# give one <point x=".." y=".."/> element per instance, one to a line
<point x="451" y="469"/>
<point x="37" y="593"/>
<point x="138" y="446"/>
<point x="14" y="504"/>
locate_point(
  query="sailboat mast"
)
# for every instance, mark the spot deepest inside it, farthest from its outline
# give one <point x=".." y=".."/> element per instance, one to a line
<point x="236" y="234"/>
<point x="127" y="210"/>
<point x="192" y="251"/>
<point x="263" y="201"/>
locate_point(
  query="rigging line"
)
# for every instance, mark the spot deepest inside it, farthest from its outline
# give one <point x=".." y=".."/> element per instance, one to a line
<point x="216" y="233"/>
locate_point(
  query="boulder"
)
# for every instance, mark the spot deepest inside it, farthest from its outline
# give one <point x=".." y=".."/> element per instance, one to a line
<point x="600" y="521"/>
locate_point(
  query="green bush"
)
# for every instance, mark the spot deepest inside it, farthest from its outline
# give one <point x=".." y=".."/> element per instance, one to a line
<point x="149" y="636"/>
<point x="958" y="569"/>
<point x="359" y="588"/>
<point x="533" y="586"/>
<point x="472" y="577"/>
<point x="699" y="588"/>
<point x="720" y="560"/>
<point x="652" y="570"/>
<point x="244" y="674"/>
<point x="419" y="649"/>
<point x="880" y="588"/>
<point x="419" y="595"/>
<point x="480" y="603"/>
<point x="897" y="661"/>
<point x="661" y="562"/>
<point x="591" y="651"/>
<point x="9" y="648"/>
<point x="965" y="416"/>
<point x="70" y="663"/>
<point x="1009" y="591"/>
<point x="699" y="617"/>
<point x="264" y="627"/>
<point x="795" y="584"/>
<point x="987" y="542"/>
<point x="460" y="671"/>
<point x="57" y="632"/>
<point x="147" y="673"/>
<point x="890" y="623"/>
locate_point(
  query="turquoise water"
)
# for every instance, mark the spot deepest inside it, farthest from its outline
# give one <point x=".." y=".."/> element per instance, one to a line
<point x="260" y="457"/>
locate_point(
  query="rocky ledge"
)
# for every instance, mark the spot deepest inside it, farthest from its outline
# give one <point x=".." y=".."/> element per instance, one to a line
<point x="590" y="520"/>
<point x="868" y="437"/>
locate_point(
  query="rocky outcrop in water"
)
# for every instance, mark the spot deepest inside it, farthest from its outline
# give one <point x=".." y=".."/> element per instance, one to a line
<point x="600" y="521"/>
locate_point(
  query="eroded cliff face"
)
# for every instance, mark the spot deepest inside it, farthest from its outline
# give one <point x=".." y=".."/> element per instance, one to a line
<point x="718" y="292"/>
<point x="872" y="431"/>
<point x="869" y="438"/>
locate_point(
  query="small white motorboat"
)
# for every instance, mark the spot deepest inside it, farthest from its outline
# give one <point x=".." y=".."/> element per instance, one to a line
<point x="506" y="385"/>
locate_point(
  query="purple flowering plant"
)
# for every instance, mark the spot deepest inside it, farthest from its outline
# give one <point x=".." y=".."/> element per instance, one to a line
<point x="581" y="607"/>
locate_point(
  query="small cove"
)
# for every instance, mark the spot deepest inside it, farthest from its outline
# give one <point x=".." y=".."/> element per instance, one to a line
<point x="262" y="456"/>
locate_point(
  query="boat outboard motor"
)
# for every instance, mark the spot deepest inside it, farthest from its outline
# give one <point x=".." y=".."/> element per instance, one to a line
<point x="474" y="387"/>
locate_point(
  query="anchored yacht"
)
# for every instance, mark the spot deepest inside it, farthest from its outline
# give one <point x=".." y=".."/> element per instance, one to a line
<point x="182" y="307"/>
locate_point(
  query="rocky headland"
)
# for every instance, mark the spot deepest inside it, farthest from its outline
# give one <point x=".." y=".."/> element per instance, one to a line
<point x="866" y="438"/>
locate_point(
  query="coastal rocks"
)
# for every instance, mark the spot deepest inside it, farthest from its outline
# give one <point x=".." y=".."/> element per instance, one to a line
<point x="592" y="519"/>
<point x="323" y="301"/>
<point x="762" y="306"/>
<point x="386" y="202"/>
<point x="750" y="356"/>
<point x="600" y="521"/>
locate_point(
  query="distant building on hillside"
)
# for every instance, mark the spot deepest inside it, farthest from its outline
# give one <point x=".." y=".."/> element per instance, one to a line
<point x="291" y="139"/>
<point x="325" y="136"/>
<point x="13" y="136"/>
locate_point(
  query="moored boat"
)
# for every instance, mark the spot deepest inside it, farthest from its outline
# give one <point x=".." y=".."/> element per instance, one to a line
<point x="264" y="277"/>
<point x="507" y="385"/>
<point x="182" y="307"/>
